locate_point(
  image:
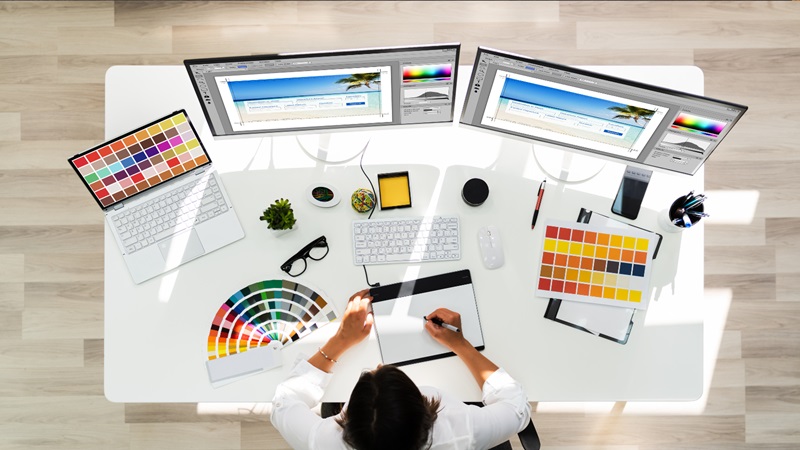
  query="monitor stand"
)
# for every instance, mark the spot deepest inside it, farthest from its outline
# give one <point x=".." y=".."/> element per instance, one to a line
<point x="334" y="147"/>
<point x="566" y="166"/>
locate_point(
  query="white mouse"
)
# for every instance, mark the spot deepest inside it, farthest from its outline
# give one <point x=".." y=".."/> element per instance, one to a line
<point x="491" y="246"/>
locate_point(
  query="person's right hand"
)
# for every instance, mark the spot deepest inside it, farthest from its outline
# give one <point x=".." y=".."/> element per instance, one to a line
<point x="448" y="338"/>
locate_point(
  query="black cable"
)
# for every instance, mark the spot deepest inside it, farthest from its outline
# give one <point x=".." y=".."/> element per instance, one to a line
<point x="361" y="165"/>
<point x="367" y="277"/>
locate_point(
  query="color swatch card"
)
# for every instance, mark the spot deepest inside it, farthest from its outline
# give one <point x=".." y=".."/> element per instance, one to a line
<point x="596" y="264"/>
<point x="270" y="313"/>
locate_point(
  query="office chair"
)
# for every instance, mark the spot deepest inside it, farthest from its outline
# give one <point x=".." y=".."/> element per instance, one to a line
<point x="528" y="437"/>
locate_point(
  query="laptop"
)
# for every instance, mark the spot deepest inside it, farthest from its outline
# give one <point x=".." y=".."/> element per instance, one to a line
<point x="162" y="198"/>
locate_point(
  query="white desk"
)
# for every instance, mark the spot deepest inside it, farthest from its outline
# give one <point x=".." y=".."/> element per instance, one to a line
<point x="155" y="333"/>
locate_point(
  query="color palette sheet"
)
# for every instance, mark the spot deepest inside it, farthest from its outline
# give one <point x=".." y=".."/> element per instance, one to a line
<point x="270" y="311"/>
<point x="595" y="264"/>
<point x="433" y="72"/>
<point x="141" y="159"/>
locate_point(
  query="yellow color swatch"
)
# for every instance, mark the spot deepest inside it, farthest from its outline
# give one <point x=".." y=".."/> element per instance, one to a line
<point x="585" y="276"/>
<point x="588" y="250"/>
<point x="154" y="130"/>
<point x="563" y="246"/>
<point x="549" y="245"/>
<point x="616" y="240"/>
<point x="635" y="296"/>
<point x="622" y="294"/>
<point x="629" y="242"/>
<point x="572" y="274"/>
<point x="575" y="248"/>
<point x="180" y="118"/>
<point x="166" y="124"/>
<point x="642" y="244"/>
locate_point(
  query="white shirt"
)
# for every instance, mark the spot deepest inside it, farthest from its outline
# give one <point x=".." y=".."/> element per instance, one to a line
<point x="457" y="426"/>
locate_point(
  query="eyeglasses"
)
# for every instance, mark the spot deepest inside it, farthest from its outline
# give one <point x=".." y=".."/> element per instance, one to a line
<point x="316" y="250"/>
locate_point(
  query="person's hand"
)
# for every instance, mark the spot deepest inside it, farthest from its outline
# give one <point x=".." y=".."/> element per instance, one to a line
<point x="448" y="338"/>
<point x="357" y="320"/>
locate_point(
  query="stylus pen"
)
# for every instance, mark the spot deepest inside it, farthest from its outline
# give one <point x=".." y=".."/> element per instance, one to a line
<point x="441" y="323"/>
<point x="538" y="203"/>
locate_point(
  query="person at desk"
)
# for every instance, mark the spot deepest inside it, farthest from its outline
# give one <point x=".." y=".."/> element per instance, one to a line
<point x="386" y="409"/>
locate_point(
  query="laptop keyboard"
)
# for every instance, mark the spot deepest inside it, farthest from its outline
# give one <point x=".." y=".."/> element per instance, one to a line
<point x="170" y="213"/>
<point x="406" y="239"/>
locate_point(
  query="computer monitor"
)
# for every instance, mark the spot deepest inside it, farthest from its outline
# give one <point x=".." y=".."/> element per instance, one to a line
<point x="324" y="91"/>
<point x="591" y="113"/>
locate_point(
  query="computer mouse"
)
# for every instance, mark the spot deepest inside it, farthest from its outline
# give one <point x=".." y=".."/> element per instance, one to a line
<point x="491" y="246"/>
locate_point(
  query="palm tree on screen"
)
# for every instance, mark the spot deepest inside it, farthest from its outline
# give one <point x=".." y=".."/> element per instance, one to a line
<point x="360" y="79"/>
<point x="632" y="112"/>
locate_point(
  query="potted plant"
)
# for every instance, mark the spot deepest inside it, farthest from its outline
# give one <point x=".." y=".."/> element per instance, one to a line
<point x="279" y="216"/>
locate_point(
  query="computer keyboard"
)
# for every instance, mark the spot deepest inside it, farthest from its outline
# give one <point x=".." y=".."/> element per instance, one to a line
<point x="406" y="239"/>
<point x="170" y="213"/>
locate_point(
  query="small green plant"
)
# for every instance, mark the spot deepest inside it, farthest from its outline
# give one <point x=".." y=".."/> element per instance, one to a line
<point x="279" y="215"/>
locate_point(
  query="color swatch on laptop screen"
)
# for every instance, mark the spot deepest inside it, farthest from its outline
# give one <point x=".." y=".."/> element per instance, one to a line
<point x="595" y="264"/>
<point x="267" y="311"/>
<point x="435" y="72"/>
<point x="141" y="159"/>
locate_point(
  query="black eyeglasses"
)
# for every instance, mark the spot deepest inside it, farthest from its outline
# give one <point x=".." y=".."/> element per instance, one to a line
<point x="316" y="250"/>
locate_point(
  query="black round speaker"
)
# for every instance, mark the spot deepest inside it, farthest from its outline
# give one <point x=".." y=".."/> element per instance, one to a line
<point x="475" y="192"/>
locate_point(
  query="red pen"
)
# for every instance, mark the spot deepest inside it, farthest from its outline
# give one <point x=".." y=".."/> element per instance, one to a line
<point x="538" y="203"/>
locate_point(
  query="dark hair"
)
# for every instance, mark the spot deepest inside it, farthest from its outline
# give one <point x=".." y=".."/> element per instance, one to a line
<point x="387" y="411"/>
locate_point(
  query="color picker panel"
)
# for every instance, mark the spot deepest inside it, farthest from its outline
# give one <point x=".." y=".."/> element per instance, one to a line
<point x="699" y="125"/>
<point x="141" y="159"/>
<point x="595" y="264"/>
<point x="268" y="311"/>
<point x="435" y="72"/>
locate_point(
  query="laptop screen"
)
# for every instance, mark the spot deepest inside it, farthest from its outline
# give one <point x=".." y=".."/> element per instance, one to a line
<point x="141" y="159"/>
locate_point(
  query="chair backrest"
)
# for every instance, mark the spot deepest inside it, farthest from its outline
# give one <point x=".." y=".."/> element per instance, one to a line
<point x="528" y="437"/>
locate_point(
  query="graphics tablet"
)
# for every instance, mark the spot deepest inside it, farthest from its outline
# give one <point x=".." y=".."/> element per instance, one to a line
<point x="399" y="309"/>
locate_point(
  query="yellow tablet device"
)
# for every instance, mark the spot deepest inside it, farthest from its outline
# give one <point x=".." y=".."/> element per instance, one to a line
<point x="395" y="190"/>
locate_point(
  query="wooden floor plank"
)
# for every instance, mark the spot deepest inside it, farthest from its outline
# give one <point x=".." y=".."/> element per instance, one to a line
<point x="10" y="129"/>
<point x="57" y="14"/>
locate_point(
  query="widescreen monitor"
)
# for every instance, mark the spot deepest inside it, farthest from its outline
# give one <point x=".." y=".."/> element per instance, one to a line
<point x="588" y="112"/>
<point x="325" y="91"/>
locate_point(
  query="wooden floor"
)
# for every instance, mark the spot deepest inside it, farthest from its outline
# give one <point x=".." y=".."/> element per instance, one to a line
<point x="53" y="57"/>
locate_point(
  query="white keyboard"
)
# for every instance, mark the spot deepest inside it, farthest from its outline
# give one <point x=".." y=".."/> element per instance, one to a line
<point x="170" y="213"/>
<point x="406" y="239"/>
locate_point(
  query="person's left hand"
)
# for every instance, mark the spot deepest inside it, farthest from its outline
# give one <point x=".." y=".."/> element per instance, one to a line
<point x="357" y="320"/>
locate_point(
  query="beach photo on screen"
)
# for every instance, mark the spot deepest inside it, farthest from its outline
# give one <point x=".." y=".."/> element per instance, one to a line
<point x="308" y="99"/>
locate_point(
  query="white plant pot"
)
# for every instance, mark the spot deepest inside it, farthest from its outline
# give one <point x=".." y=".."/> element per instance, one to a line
<point x="279" y="233"/>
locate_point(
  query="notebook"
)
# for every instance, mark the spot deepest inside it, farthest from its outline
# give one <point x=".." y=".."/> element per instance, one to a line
<point x="398" y="310"/>
<point x="164" y="202"/>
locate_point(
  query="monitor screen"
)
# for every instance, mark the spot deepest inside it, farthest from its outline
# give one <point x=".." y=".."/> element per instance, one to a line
<point x="595" y="113"/>
<point x="327" y="90"/>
